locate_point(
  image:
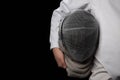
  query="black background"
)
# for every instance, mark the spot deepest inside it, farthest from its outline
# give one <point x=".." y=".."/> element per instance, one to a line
<point x="28" y="45"/>
<point x="41" y="61"/>
<point x="50" y="67"/>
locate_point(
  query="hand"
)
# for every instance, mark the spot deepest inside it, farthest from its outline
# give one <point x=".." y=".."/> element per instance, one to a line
<point x="59" y="57"/>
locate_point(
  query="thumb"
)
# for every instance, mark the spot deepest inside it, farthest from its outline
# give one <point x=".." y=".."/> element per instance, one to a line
<point x="64" y="65"/>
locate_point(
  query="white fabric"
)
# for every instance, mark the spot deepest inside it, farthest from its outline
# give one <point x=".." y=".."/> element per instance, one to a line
<point x="99" y="72"/>
<point x="109" y="49"/>
<point x="108" y="14"/>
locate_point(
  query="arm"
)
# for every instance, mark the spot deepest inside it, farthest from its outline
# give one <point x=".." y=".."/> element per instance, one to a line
<point x="57" y="16"/>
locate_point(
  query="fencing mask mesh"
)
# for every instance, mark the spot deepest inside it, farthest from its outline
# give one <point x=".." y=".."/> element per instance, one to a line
<point x="79" y="35"/>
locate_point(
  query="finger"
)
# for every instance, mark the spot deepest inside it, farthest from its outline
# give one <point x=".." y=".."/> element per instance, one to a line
<point x="64" y="65"/>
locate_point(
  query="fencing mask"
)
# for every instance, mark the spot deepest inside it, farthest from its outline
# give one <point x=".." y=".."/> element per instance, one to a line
<point x="79" y="35"/>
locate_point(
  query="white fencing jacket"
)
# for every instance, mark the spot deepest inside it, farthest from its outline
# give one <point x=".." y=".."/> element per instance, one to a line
<point x="108" y="14"/>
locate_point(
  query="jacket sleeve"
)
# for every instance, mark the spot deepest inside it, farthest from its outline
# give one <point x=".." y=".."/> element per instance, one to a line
<point x="56" y="18"/>
<point x="58" y="14"/>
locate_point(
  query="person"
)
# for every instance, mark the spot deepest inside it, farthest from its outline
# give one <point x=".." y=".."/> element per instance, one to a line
<point x="107" y="12"/>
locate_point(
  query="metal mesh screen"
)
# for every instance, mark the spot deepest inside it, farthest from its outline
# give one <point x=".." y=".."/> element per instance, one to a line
<point x="79" y="35"/>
